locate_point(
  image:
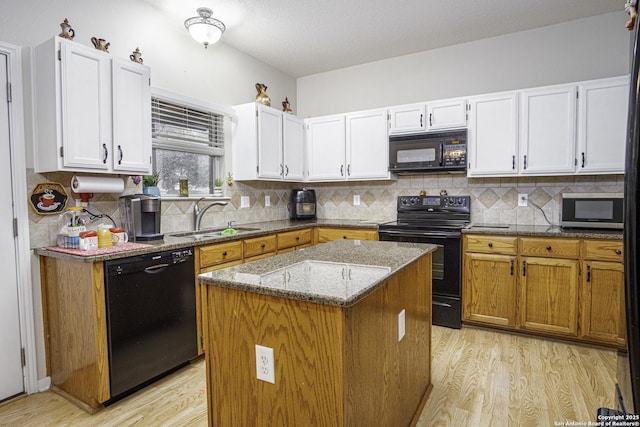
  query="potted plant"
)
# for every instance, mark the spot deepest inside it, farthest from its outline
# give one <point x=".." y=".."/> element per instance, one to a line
<point x="150" y="184"/>
<point x="217" y="189"/>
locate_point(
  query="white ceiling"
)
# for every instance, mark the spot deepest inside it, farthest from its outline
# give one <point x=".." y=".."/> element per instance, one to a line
<point x="302" y="37"/>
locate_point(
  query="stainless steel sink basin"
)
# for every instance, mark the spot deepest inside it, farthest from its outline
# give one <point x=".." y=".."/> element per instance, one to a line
<point x="203" y="234"/>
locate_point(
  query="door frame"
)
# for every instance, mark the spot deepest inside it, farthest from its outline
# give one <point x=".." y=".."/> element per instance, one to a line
<point x="21" y="214"/>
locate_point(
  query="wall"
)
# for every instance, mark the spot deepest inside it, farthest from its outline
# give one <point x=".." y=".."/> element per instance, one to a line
<point x="578" y="50"/>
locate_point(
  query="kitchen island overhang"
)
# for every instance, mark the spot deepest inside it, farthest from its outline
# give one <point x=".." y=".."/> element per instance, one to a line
<point x="340" y="358"/>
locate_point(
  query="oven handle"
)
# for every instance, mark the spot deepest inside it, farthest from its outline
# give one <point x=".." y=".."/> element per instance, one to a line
<point x="432" y="234"/>
<point x="441" y="304"/>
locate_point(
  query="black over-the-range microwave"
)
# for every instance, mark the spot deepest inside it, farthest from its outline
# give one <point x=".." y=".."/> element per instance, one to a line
<point x="428" y="152"/>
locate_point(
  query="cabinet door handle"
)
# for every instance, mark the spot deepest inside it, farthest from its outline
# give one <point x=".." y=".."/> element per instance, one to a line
<point x="421" y="117"/>
<point x="548" y="248"/>
<point x="582" y="159"/>
<point x="618" y="252"/>
<point x="490" y="244"/>
<point x="281" y="171"/>
<point x="511" y="269"/>
<point x="524" y="268"/>
<point x="119" y="154"/>
<point x="341" y="170"/>
<point x="349" y="170"/>
<point x="286" y="168"/>
<point x="513" y="162"/>
<point x="525" y="162"/>
<point x="106" y="153"/>
<point x="588" y="273"/>
<point x="430" y="116"/>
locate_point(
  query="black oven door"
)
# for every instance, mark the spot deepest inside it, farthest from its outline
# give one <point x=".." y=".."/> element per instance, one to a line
<point x="446" y="271"/>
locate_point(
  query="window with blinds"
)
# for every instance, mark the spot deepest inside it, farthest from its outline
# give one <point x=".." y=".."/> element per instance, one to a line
<point x="187" y="144"/>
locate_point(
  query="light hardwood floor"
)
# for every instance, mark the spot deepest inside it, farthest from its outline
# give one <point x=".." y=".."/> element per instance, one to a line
<point x="480" y="378"/>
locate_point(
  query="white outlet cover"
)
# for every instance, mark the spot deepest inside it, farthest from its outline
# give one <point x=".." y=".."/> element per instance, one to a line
<point x="356" y="200"/>
<point x="264" y="364"/>
<point x="523" y="199"/>
<point x="267" y="201"/>
<point x="244" y="201"/>
<point x="401" y="325"/>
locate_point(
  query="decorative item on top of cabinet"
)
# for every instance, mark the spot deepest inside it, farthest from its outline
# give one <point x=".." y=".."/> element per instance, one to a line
<point x="136" y="56"/>
<point x="100" y="44"/>
<point x="286" y="106"/>
<point x="67" y="32"/>
<point x="262" y="96"/>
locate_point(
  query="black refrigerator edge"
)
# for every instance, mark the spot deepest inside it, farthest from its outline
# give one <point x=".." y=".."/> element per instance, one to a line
<point x="628" y="370"/>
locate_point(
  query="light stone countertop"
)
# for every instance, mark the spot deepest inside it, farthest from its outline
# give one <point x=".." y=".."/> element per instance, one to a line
<point x="338" y="273"/>
<point x="171" y="242"/>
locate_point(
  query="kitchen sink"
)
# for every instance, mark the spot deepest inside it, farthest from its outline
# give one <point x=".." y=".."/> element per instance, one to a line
<point x="203" y="234"/>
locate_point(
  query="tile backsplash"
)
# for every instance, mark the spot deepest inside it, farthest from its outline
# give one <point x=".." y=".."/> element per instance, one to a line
<point x="493" y="200"/>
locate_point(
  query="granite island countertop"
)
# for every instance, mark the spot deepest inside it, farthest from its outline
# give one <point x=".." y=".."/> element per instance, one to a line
<point x="171" y="242"/>
<point x="542" y="231"/>
<point x="338" y="273"/>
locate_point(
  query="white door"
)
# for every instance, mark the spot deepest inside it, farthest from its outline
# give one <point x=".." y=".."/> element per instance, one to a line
<point x="447" y="114"/>
<point x="293" y="147"/>
<point x="407" y="119"/>
<point x="326" y="148"/>
<point x="11" y="376"/>
<point x="269" y="143"/>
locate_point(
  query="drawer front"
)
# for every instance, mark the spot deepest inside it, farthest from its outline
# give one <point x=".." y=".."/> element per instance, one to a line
<point x="329" y="234"/>
<point x="294" y="238"/>
<point x="610" y="250"/>
<point x="550" y="247"/>
<point x="220" y="253"/>
<point x="506" y="245"/>
<point x="259" y="245"/>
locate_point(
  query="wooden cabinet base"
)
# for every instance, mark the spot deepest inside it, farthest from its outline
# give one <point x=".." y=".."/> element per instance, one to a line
<point x="337" y="366"/>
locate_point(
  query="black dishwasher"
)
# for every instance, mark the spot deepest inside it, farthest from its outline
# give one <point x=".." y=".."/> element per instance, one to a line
<point x="151" y="317"/>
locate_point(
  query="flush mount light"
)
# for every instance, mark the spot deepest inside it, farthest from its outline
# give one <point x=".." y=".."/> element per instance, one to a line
<point x="205" y="29"/>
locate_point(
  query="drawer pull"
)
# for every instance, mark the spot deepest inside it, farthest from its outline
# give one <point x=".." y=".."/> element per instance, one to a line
<point x="262" y="246"/>
<point x="548" y="248"/>
<point x="224" y="253"/>
<point x="490" y="244"/>
<point x="618" y="252"/>
<point x="344" y="237"/>
<point x="297" y="237"/>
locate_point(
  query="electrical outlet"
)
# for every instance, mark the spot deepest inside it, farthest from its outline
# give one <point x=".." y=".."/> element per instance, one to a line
<point x="523" y="199"/>
<point x="244" y="201"/>
<point x="401" y="325"/>
<point x="264" y="364"/>
<point x="267" y="201"/>
<point x="356" y="200"/>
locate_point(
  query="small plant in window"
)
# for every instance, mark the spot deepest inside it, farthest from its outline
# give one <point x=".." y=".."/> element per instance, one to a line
<point x="218" y="182"/>
<point x="217" y="189"/>
<point x="151" y="180"/>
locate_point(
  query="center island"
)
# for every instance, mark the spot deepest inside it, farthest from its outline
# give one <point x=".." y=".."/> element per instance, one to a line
<point x="349" y="324"/>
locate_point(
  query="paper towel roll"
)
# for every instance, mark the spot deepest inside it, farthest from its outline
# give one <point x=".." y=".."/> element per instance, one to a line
<point x="95" y="184"/>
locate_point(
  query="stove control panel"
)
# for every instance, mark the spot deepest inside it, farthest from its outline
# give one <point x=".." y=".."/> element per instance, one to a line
<point x="434" y="203"/>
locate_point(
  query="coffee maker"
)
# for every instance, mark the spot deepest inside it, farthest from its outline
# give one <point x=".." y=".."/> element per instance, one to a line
<point x="140" y="217"/>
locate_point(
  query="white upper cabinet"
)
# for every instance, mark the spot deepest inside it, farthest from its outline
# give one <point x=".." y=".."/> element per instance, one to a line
<point x="367" y="145"/>
<point x="447" y="114"/>
<point x="267" y="144"/>
<point x="93" y="111"/>
<point x="548" y="130"/>
<point x="602" y="125"/>
<point x="407" y="119"/>
<point x="492" y="139"/>
<point x="293" y="147"/>
<point x="325" y="145"/>
<point x="352" y="146"/>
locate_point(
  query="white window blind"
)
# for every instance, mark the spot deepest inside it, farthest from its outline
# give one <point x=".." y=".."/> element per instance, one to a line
<point x="182" y="128"/>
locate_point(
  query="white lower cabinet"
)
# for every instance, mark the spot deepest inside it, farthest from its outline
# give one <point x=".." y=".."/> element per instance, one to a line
<point x="602" y="125"/>
<point x="93" y="110"/>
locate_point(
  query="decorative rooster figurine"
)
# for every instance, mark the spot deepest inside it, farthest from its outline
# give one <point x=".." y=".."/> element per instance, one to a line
<point x="630" y="8"/>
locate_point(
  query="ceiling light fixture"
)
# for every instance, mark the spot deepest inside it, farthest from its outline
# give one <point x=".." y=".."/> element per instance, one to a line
<point x="205" y="29"/>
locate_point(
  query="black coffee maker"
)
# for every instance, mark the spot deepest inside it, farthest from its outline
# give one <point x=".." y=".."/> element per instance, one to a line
<point x="303" y="204"/>
<point x="140" y="217"/>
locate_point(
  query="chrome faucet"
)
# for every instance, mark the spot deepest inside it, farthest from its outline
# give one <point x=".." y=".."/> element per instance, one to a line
<point x="197" y="212"/>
